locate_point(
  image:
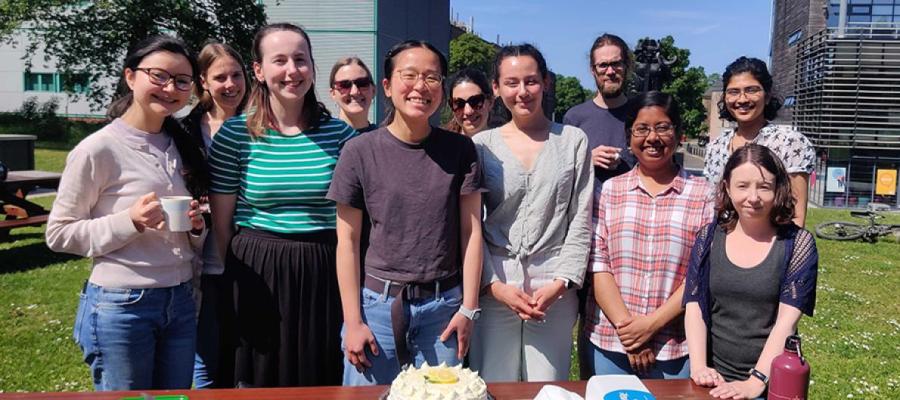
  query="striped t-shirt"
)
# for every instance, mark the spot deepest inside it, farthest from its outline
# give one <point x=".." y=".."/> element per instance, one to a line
<point x="280" y="181"/>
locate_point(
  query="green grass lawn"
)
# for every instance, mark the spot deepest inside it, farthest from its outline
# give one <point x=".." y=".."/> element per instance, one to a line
<point x="853" y="342"/>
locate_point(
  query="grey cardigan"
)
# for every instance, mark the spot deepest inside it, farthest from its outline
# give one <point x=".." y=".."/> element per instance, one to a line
<point x="544" y="212"/>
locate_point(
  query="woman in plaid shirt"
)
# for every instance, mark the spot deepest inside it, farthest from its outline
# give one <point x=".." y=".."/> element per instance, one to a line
<point x="646" y="221"/>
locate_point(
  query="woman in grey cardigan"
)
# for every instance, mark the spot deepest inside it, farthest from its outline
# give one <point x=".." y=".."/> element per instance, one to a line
<point x="536" y="229"/>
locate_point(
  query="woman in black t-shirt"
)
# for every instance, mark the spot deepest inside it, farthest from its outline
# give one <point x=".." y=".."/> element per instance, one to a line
<point x="420" y="185"/>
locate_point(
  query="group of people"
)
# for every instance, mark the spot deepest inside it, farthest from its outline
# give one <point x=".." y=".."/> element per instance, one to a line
<point x="329" y="250"/>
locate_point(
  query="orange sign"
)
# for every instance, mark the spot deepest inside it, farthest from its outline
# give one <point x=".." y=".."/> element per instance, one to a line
<point x="886" y="182"/>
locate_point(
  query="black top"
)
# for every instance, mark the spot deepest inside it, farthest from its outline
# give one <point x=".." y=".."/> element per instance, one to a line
<point x="412" y="194"/>
<point x="603" y="126"/>
<point x="744" y="305"/>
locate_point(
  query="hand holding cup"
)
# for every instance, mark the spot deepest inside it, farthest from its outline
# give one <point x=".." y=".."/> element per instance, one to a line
<point x="147" y="212"/>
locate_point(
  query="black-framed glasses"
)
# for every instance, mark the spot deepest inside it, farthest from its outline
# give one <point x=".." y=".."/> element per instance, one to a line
<point x="476" y="102"/>
<point x="616" y="65"/>
<point x="345" y="85"/>
<point x="749" y="91"/>
<point x="662" y="130"/>
<point x="409" y="78"/>
<point x="161" y="77"/>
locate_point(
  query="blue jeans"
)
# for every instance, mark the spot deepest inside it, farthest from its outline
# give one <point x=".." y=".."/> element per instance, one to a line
<point x="206" y="360"/>
<point x="427" y="320"/>
<point x="613" y="363"/>
<point x="137" y="339"/>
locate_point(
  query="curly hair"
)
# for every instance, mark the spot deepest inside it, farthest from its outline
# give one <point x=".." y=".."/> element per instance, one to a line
<point x="760" y="72"/>
<point x="761" y="157"/>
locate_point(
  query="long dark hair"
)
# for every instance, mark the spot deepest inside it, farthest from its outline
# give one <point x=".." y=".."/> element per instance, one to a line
<point x="519" y="50"/>
<point x="195" y="172"/>
<point x="760" y="72"/>
<point x="653" y="98"/>
<point x="259" y="111"/>
<point x="389" y="67"/>
<point x="761" y="157"/>
<point x="466" y="75"/>
<point x="211" y="52"/>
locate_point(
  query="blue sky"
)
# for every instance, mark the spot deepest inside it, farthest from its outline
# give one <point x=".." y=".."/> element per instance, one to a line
<point x="716" y="32"/>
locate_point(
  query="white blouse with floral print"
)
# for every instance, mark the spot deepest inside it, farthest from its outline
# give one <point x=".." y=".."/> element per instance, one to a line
<point x="795" y="151"/>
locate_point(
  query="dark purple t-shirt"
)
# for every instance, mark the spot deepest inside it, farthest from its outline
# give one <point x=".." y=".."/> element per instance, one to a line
<point x="412" y="193"/>
<point x="603" y="126"/>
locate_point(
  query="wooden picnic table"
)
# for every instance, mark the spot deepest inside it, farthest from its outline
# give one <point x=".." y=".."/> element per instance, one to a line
<point x="18" y="209"/>
<point x="661" y="389"/>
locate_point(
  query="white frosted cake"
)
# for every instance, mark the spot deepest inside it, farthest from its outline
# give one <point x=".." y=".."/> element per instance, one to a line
<point x="438" y="383"/>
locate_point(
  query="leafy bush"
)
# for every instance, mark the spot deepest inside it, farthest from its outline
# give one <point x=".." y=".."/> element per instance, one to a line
<point x="41" y="119"/>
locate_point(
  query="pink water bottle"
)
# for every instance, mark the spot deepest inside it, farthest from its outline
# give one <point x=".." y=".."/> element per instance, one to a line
<point x="789" y="376"/>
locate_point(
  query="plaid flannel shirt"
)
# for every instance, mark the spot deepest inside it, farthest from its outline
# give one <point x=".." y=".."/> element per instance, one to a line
<point x="645" y="242"/>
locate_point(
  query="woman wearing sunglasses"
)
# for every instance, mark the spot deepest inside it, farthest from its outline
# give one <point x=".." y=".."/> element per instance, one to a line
<point x="135" y="321"/>
<point x="536" y="230"/>
<point x="353" y="89"/>
<point x="470" y="101"/>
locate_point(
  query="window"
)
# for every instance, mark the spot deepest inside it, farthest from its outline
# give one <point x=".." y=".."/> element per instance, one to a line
<point x="790" y="101"/>
<point x="794" y="37"/>
<point x="55" y="82"/>
<point x="882" y="10"/>
<point x="40" y="82"/>
<point x="75" y="83"/>
<point x="860" y="10"/>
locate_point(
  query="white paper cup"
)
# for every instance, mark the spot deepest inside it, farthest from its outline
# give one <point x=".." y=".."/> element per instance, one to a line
<point x="175" y="209"/>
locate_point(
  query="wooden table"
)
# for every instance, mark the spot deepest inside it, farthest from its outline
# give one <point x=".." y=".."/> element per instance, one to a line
<point x="661" y="389"/>
<point x="13" y="192"/>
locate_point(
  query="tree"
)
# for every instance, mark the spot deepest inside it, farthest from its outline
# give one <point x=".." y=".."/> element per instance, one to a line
<point x="91" y="38"/>
<point x="713" y="80"/>
<point x="569" y="93"/>
<point x="687" y="86"/>
<point x="469" y="50"/>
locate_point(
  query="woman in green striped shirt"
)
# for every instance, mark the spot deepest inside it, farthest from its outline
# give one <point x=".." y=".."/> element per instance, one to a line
<point x="271" y="169"/>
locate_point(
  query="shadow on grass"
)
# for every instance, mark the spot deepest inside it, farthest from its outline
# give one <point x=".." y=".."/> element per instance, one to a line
<point x="31" y="256"/>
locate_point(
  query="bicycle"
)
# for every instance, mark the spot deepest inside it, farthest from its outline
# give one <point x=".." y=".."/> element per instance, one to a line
<point x="840" y="230"/>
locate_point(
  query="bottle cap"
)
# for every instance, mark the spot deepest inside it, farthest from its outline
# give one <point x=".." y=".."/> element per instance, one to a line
<point x="792" y="344"/>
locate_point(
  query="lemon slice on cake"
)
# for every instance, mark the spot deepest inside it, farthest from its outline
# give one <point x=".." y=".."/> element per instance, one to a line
<point x="441" y="375"/>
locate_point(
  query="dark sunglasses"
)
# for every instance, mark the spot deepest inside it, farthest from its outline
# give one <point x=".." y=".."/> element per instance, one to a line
<point x="476" y="102"/>
<point x="345" y="85"/>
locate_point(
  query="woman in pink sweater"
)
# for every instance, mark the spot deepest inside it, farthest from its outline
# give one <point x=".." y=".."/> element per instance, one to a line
<point x="136" y="317"/>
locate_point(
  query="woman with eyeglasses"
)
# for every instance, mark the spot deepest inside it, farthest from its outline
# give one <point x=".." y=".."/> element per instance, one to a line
<point x="136" y="320"/>
<point x="748" y="100"/>
<point x="421" y="186"/>
<point x="470" y="101"/>
<point x="646" y="222"/>
<point x="222" y="92"/>
<point x="539" y="183"/>
<point x="271" y="168"/>
<point x="353" y="89"/>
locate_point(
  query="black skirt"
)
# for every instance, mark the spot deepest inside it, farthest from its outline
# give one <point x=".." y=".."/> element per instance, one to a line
<point x="287" y="309"/>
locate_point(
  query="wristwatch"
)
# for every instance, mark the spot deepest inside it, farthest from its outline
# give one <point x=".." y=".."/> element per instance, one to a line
<point x="470" y="314"/>
<point x="759" y="375"/>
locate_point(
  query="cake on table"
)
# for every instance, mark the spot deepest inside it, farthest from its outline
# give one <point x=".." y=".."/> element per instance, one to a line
<point x="438" y="383"/>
